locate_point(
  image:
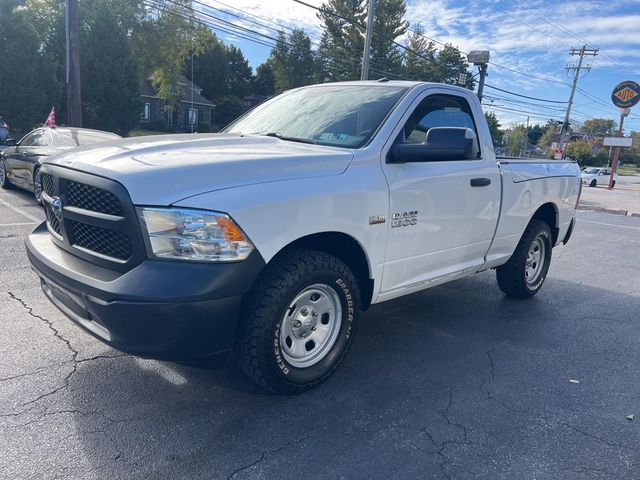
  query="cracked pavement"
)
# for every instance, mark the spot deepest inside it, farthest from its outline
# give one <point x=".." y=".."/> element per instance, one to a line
<point x="456" y="382"/>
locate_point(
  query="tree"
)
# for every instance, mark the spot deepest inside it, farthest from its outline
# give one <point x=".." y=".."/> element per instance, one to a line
<point x="389" y="24"/>
<point x="551" y="132"/>
<point x="453" y="68"/>
<point x="579" y="151"/>
<point x="27" y="78"/>
<point x="494" y="128"/>
<point x="292" y="61"/>
<point x="210" y="67"/>
<point x="598" y="127"/>
<point x="265" y="82"/>
<point x="227" y="109"/>
<point x="515" y="140"/>
<point x="239" y="74"/>
<point x="110" y="82"/>
<point x="342" y="40"/>
<point x="162" y="42"/>
<point x="420" y="57"/>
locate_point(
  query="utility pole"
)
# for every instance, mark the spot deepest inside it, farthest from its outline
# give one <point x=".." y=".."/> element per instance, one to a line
<point x="624" y="112"/>
<point x="584" y="51"/>
<point x="526" y="137"/>
<point x="191" y="120"/>
<point x="74" y="102"/>
<point x="483" y="74"/>
<point x="367" y="41"/>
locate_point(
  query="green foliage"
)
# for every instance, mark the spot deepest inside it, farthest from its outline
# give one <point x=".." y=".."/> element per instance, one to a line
<point x="239" y="75"/>
<point x="204" y="127"/>
<point x="494" y="129"/>
<point x="292" y="61"/>
<point x="110" y="84"/>
<point x="227" y="109"/>
<point x="515" y="141"/>
<point x="210" y="68"/>
<point x="580" y="151"/>
<point x="598" y="127"/>
<point x="420" y="59"/>
<point x="265" y="81"/>
<point x="342" y="41"/>
<point x="552" y="129"/>
<point x="388" y="25"/>
<point x="27" y="77"/>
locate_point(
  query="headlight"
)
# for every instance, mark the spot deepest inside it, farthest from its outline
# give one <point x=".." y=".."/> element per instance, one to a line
<point x="196" y="235"/>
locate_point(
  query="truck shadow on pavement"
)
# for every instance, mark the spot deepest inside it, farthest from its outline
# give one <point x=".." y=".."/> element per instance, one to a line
<point x="454" y="382"/>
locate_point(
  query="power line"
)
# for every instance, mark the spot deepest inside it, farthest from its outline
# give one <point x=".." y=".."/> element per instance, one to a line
<point x="525" y="96"/>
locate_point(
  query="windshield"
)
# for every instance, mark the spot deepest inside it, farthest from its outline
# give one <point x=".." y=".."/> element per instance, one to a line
<point x="339" y="115"/>
<point x="590" y="171"/>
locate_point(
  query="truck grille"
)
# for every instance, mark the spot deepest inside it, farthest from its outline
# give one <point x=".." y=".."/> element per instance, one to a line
<point x="101" y="240"/>
<point x="97" y="220"/>
<point x="92" y="198"/>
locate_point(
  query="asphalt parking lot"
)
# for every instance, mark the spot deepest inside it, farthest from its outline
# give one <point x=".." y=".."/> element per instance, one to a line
<point x="456" y="382"/>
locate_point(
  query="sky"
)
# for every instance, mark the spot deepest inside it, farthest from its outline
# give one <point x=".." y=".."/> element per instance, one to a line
<point x="529" y="40"/>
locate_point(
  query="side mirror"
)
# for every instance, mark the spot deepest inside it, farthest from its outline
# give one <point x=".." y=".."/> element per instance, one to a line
<point x="10" y="142"/>
<point x="442" y="144"/>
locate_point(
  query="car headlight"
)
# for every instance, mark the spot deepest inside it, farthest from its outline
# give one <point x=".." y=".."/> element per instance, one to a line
<point x="198" y="235"/>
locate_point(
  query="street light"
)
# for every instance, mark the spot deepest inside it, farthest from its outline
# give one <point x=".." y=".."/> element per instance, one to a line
<point x="480" y="58"/>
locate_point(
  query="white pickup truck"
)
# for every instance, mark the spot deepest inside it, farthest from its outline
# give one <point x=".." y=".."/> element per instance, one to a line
<point x="269" y="238"/>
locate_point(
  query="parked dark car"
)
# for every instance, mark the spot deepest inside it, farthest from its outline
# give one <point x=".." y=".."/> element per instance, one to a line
<point x="20" y="162"/>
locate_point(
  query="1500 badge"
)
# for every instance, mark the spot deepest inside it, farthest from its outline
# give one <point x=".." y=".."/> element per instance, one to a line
<point x="404" y="219"/>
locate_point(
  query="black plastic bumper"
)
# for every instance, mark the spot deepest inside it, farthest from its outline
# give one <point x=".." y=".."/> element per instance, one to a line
<point x="173" y="310"/>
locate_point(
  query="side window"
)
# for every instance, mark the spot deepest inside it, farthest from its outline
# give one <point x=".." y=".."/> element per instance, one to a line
<point x="440" y="112"/>
<point x="31" y="139"/>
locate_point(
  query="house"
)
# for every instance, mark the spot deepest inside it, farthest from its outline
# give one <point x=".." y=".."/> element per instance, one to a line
<point x="191" y="111"/>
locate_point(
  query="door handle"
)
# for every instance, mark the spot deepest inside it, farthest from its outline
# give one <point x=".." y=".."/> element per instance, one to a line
<point x="480" y="182"/>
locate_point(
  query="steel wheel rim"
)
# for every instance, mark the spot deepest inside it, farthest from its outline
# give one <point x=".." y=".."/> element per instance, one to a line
<point x="310" y="325"/>
<point x="37" y="185"/>
<point x="536" y="257"/>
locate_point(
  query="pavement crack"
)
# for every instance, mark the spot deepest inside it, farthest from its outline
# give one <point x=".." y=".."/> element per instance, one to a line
<point x="59" y="336"/>
<point x="445" y="414"/>
<point x="262" y="457"/>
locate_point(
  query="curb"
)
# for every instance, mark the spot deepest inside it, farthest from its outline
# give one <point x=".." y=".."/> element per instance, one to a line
<point x="615" y="211"/>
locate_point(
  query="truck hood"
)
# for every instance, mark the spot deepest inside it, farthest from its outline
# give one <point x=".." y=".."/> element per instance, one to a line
<point x="164" y="169"/>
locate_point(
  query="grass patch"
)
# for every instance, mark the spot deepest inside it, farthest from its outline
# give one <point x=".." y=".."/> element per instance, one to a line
<point x="628" y="170"/>
<point x="139" y="132"/>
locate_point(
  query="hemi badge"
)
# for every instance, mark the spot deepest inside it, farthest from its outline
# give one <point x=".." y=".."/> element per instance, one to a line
<point x="376" y="219"/>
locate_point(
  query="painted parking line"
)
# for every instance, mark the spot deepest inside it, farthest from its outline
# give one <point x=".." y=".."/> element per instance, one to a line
<point x="28" y="224"/>
<point x="609" y="224"/>
<point x="21" y="212"/>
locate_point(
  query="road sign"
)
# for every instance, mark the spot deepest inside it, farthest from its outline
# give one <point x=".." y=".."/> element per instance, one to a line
<point x="618" y="141"/>
<point x="626" y="94"/>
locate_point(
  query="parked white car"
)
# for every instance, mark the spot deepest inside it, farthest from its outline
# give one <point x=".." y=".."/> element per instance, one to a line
<point x="593" y="176"/>
<point x="269" y="239"/>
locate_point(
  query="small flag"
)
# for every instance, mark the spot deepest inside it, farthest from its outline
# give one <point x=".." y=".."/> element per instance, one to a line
<point x="51" y="119"/>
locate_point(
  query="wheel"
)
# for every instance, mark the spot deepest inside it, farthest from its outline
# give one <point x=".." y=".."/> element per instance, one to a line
<point x="298" y="321"/>
<point x="4" y="181"/>
<point x="525" y="272"/>
<point x="613" y="184"/>
<point x="593" y="183"/>
<point x="37" y="186"/>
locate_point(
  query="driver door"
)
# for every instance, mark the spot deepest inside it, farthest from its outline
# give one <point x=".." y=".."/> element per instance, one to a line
<point x="452" y="203"/>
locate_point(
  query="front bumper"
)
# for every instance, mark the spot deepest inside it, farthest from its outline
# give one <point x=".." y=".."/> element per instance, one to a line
<point x="172" y="310"/>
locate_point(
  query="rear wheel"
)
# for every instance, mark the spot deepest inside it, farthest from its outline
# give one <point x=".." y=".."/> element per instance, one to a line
<point x="525" y="272"/>
<point x="4" y="181"/>
<point x="298" y="322"/>
<point x="593" y="183"/>
<point x="613" y="184"/>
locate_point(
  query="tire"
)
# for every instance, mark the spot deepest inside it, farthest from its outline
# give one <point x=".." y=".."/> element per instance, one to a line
<point x="37" y="186"/>
<point x="4" y="181"/>
<point x="613" y="184"/>
<point x="593" y="183"/>
<point x="525" y="272"/>
<point x="298" y="321"/>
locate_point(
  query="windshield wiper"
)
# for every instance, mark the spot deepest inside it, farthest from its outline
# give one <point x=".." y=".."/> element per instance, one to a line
<point x="288" y="139"/>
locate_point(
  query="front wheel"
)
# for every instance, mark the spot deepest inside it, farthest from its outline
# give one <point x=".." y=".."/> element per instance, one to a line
<point x="4" y="181"/>
<point x="613" y="184"/>
<point x="593" y="183"/>
<point x="37" y="186"/>
<point x="525" y="272"/>
<point x="298" y="321"/>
